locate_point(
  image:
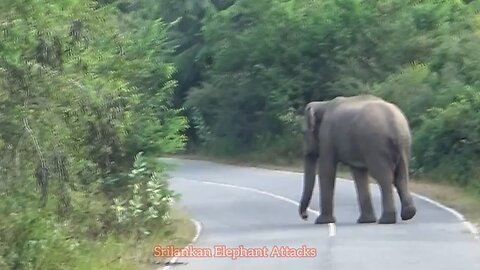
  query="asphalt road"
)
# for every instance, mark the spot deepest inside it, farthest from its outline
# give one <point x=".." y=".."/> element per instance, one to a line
<point x="257" y="208"/>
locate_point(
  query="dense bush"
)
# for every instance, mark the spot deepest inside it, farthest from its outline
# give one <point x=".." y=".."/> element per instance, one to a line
<point x="147" y="203"/>
<point x="260" y="60"/>
<point x="448" y="142"/>
<point x="85" y="94"/>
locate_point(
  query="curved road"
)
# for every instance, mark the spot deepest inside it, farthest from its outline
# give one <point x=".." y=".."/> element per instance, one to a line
<point x="257" y="208"/>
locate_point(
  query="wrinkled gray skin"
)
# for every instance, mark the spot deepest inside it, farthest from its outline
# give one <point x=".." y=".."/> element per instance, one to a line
<point x="369" y="135"/>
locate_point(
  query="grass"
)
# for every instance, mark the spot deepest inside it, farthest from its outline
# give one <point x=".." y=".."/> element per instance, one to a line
<point x="123" y="254"/>
<point x="450" y="195"/>
<point x="184" y="232"/>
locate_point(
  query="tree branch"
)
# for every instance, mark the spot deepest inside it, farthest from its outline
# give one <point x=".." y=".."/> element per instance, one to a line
<point x="42" y="180"/>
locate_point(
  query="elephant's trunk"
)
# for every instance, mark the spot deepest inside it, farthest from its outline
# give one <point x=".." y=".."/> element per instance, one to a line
<point x="310" y="163"/>
<point x="310" y="150"/>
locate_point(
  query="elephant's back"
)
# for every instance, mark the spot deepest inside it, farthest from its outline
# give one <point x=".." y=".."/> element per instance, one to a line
<point x="364" y="127"/>
<point x="373" y="118"/>
<point x="389" y="115"/>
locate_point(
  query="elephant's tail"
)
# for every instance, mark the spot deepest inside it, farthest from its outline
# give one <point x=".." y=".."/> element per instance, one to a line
<point x="401" y="173"/>
<point x="401" y="170"/>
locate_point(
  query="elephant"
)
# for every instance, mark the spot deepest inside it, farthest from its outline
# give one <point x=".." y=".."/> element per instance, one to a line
<point x="372" y="138"/>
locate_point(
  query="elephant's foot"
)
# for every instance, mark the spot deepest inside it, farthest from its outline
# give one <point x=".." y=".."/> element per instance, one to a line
<point x="408" y="212"/>
<point x="325" y="219"/>
<point x="388" y="218"/>
<point x="303" y="215"/>
<point x="367" y="218"/>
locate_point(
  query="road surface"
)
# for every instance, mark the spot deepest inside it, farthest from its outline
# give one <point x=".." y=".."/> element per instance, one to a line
<point x="257" y="209"/>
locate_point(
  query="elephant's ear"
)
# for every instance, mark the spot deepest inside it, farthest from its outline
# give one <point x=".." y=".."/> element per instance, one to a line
<point x="310" y="118"/>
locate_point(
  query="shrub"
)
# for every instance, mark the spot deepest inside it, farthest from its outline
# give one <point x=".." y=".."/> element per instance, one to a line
<point x="448" y="143"/>
<point x="147" y="203"/>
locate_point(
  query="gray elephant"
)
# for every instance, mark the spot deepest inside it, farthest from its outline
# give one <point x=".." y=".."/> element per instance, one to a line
<point x="371" y="137"/>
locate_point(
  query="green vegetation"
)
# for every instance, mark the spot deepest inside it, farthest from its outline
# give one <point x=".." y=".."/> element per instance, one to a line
<point x="92" y="92"/>
<point x="262" y="61"/>
<point x="85" y="94"/>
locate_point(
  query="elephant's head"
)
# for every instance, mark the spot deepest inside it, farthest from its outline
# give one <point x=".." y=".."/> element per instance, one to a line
<point x="313" y="115"/>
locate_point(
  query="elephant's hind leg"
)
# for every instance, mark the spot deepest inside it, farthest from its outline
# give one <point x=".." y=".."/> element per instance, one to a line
<point x="367" y="213"/>
<point x="401" y="183"/>
<point x="383" y="173"/>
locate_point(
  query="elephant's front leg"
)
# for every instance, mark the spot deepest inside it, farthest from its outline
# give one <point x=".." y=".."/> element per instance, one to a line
<point x="327" y="173"/>
<point x="367" y="213"/>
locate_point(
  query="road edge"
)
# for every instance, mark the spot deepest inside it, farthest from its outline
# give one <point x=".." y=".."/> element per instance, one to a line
<point x="198" y="231"/>
<point x="470" y="226"/>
